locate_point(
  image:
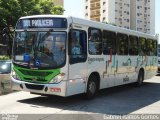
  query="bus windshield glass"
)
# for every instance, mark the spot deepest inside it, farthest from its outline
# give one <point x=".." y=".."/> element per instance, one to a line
<point x="39" y="49"/>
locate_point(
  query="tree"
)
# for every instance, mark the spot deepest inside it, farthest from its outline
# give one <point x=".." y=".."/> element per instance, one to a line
<point x="11" y="10"/>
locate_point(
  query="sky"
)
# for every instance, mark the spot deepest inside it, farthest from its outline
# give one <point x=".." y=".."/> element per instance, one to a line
<point x="75" y="8"/>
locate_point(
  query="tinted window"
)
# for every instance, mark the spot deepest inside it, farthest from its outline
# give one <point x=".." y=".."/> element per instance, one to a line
<point x="109" y="42"/>
<point x="149" y="47"/>
<point x="95" y="41"/>
<point x="122" y="44"/>
<point x="155" y="47"/>
<point x="142" y="46"/>
<point x="77" y="46"/>
<point x="133" y="45"/>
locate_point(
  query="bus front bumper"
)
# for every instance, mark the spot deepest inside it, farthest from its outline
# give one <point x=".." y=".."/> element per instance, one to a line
<point x="44" y="89"/>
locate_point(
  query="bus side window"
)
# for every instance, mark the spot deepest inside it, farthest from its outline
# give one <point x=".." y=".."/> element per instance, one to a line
<point x="149" y="47"/>
<point x="109" y="42"/>
<point x="95" y="41"/>
<point x="77" y="46"/>
<point x="155" y="47"/>
<point x="122" y="44"/>
<point x="142" y="46"/>
<point x="133" y="45"/>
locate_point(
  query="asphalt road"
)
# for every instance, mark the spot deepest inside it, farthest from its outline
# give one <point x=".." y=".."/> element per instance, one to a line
<point x="119" y="100"/>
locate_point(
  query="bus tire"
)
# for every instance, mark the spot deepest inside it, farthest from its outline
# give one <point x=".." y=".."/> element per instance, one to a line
<point x="91" y="87"/>
<point x="140" y="78"/>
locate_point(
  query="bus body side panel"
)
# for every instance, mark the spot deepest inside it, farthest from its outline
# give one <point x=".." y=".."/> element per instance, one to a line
<point x="108" y="70"/>
<point x="97" y="64"/>
<point x="122" y="70"/>
<point x="133" y="68"/>
<point x="150" y="67"/>
<point x="77" y="79"/>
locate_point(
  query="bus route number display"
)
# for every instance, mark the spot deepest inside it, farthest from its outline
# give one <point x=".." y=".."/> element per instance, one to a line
<point x="38" y="23"/>
<point x="42" y="23"/>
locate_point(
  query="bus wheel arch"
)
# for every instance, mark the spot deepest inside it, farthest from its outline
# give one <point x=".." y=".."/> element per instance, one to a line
<point x="93" y="85"/>
<point x="140" y="77"/>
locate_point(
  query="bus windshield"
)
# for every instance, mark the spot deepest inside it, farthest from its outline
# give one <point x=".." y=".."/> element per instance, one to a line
<point x="39" y="49"/>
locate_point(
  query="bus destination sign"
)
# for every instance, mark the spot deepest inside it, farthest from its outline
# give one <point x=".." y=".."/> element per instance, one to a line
<point x="42" y="23"/>
<point x="38" y="23"/>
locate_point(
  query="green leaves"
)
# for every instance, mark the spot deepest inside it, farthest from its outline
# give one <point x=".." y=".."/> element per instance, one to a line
<point x="11" y="10"/>
<point x="4" y="57"/>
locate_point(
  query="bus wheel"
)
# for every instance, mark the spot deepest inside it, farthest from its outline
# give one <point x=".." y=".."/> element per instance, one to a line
<point x="140" y="78"/>
<point x="91" y="87"/>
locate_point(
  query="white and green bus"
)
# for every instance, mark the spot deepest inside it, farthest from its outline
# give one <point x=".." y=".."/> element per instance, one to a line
<point x="64" y="56"/>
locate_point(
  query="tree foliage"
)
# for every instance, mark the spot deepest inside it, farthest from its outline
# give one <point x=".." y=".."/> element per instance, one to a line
<point x="11" y="10"/>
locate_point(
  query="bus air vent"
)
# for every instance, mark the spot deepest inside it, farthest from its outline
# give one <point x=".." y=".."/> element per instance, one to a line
<point x="34" y="87"/>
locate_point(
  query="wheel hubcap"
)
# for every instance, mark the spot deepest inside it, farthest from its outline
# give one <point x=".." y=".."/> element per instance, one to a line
<point x="92" y="87"/>
<point x="141" y="79"/>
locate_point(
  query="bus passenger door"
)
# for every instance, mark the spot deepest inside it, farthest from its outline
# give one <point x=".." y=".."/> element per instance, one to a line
<point x="77" y="61"/>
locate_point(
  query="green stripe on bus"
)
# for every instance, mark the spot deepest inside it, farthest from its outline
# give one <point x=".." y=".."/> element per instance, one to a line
<point x="36" y="76"/>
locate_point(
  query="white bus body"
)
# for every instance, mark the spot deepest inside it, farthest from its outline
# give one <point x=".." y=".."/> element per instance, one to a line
<point x="97" y="65"/>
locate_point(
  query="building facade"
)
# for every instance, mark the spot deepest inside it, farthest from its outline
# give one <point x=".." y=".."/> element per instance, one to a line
<point x="131" y="14"/>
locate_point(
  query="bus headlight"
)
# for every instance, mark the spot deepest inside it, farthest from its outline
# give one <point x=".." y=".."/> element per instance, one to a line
<point x="14" y="75"/>
<point x="58" y="78"/>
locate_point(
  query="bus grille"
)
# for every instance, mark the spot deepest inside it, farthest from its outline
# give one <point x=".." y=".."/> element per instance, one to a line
<point x="34" y="87"/>
<point x="36" y="80"/>
<point x="35" y="73"/>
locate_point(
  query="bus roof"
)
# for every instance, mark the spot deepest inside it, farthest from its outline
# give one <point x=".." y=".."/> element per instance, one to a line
<point x="44" y="16"/>
<point x="96" y="24"/>
<point x="110" y="27"/>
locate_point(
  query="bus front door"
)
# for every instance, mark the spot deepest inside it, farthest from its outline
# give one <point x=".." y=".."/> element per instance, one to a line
<point x="77" y="62"/>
